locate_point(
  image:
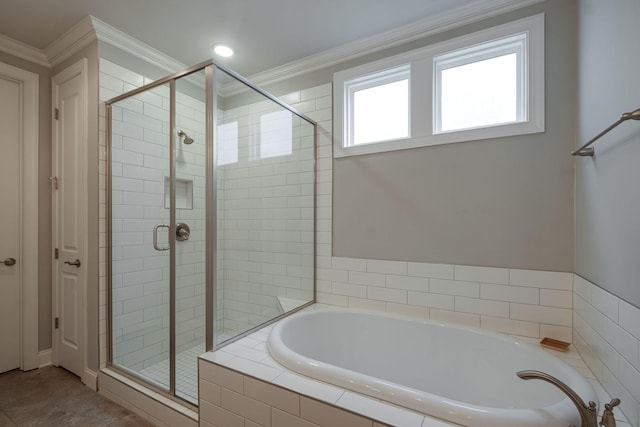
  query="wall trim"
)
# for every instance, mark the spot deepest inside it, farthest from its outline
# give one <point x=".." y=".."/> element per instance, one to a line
<point x="90" y="379"/>
<point x="44" y="358"/>
<point x="107" y="34"/>
<point x="90" y="29"/>
<point x="23" y="50"/>
<point x="72" y="41"/>
<point x="449" y="20"/>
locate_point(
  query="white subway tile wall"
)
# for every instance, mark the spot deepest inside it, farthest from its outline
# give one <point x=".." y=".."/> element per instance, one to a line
<point x="606" y="331"/>
<point x="540" y="303"/>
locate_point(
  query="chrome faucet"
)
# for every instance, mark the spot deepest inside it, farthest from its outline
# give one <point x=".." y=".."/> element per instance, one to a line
<point x="588" y="414"/>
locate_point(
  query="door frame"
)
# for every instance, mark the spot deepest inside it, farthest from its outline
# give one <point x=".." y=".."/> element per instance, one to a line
<point x="28" y="182"/>
<point x="80" y="67"/>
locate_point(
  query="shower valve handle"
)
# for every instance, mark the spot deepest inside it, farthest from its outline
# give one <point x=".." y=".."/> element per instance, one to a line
<point x="182" y="232"/>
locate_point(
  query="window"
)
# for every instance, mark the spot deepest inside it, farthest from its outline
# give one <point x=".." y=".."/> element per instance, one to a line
<point x="483" y="85"/>
<point x="276" y="134"/>
<point x="378" y="107"/>
<point x="228" y="143"/>
<point x="480" y="86"/>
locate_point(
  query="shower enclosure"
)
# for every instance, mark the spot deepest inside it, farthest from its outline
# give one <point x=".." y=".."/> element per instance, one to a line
<point x="210" y="222"/>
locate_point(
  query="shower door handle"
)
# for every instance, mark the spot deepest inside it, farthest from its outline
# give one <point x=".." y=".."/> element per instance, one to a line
<point x="155" y="238"/>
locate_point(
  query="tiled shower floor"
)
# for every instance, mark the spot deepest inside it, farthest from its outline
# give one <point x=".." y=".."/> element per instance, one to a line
<point x="186" y="373"/>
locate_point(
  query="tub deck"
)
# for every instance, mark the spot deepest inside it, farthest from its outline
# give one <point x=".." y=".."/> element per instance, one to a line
<point x="231" y="380"/>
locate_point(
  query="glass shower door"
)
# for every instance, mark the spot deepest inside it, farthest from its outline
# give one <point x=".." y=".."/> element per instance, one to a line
<point x="158" y="234"/>
<point x="140" y="224"/>
<point x="190" y="248"/>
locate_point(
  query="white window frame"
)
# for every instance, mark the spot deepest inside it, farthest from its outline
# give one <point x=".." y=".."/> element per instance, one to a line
<point x="379" y="78"/>
<point x="515" y="44"/>
<point x="423" y="90"/>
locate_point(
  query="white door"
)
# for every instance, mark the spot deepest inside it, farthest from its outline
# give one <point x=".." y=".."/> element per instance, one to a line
<point x="9" y="224"/>
<point x="69" y="216"/>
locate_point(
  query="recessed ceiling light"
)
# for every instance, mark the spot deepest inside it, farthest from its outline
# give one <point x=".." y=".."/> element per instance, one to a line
<point x="222" y="50"/>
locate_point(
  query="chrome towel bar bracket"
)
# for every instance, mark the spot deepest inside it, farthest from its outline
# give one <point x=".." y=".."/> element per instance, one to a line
<point x="585" y="150"/>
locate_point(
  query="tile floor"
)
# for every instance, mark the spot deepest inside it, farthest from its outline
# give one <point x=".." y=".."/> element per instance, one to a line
<point x="186" y="373"/>
<point x="54" y="397"/>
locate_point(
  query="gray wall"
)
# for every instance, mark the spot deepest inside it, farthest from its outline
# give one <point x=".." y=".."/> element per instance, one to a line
<point x="505" y="202"/>
<point x="93" y="326"/>
<point x="44" y="195"/>
<point x="607" y="186"/>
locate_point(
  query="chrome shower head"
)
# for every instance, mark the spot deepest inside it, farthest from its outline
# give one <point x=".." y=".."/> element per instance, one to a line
<point x="187" y="140"/>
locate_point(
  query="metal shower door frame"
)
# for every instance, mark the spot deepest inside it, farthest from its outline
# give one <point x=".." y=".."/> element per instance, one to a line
<point x="211" y="70"/>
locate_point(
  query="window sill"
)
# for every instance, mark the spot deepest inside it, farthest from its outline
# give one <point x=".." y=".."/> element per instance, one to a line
<point x="512" y="129"/>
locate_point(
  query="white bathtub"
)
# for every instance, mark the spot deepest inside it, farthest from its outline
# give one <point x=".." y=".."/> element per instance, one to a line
<point x="459" y="374"/>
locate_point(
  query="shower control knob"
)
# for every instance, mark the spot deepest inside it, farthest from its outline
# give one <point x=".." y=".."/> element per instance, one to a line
<point x="182" y="232"/>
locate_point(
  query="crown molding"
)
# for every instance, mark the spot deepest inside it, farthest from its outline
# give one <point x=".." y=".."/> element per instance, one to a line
<point x="90" y="29"/>
<point x="439" y="23"/>
<point x="23" y="51"/>
<point x="72" y="41"/>
<point x="110" y="35"/>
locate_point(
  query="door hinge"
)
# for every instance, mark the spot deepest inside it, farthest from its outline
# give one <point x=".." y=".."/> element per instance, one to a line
<point x="56" y="114"/>
<point x="56" y="253"/>
<point x="56" y="322"/>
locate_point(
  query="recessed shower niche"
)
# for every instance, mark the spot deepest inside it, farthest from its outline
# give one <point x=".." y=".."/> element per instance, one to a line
<point x="184" y="193"/>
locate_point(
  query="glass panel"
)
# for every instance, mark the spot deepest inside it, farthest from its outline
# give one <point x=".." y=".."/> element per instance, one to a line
<point x="140" y="272"/>
<point x="381" y="113"/>
<point x="190" y="232"/>
<point x="467" y="104"/>
<point x="265" y="224"/>
<point x="265" y="211"/>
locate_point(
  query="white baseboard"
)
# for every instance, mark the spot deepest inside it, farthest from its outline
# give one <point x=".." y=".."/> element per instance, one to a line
<point x="44" y="358"/>
<point x="90" y="379"/>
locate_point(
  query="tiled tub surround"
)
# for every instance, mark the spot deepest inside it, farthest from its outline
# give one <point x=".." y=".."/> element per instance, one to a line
<point x="456" y="373"/>
<point x="522" y="302"/>
<point x="241" y="385"/>
<point x="526" y="303"/>
<point x="607" y="334"/>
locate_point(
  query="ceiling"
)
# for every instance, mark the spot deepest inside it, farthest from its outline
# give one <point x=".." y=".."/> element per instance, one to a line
<point x="264" y="33"/>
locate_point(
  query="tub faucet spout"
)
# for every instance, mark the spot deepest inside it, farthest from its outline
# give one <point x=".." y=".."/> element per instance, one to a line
<point x="588" y="413"/>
